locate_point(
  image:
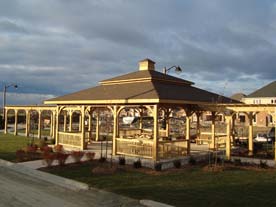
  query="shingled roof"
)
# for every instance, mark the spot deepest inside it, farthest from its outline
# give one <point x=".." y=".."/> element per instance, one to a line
<point x="143" y="86"/>
<point x="267" y="91"/>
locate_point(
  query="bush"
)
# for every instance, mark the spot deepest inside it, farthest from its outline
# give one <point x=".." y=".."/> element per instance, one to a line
<point x="61" y="158"/>
<point x="20" y="155"/>
<point x="158" y="166"/>
<point x="102" y="159"/>
<point x="263" y="164"/>
<point x="49" y="158"/>
<point x="237" y="162"/>
<point x="192" y="160"/>
<point x="46" y="149"/>
<point x="177" y="163"/>
<point x="77" y="155"/>
<point x="137" y="164"/>
<point x="90" y="155"/>
<point x="122" y="161"/>
<point x="58" y="148"/>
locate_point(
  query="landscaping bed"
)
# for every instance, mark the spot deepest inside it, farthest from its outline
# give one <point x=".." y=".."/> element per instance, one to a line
<point x="233" y="184"/>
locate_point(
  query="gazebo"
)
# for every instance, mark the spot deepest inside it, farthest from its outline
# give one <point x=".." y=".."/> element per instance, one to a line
<point x="145" y="89"/>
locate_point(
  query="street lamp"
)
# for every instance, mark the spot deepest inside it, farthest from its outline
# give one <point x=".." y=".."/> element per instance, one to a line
<point x="177" y="69"/>
<point x="4" y="97"/>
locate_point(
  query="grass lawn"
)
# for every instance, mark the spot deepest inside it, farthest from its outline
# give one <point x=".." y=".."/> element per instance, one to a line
<point x="191" y="186"/>
<point x="44" y="132"/>
<point x="10" y="143"/>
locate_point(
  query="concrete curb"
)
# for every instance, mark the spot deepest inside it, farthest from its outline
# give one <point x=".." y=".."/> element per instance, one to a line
<point x="57" y="180"/>
<point x="150" y="203"/>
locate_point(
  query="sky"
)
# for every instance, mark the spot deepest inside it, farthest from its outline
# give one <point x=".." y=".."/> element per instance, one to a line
<point x="54" y="47"/>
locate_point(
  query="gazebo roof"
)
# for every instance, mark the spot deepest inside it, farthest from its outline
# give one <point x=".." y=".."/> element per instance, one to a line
<point x="143" y="86"/>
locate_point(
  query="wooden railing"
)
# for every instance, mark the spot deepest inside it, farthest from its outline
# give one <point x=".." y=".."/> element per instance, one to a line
<point x="70" y="139"/>
<point x="135" y="147"/>
<point x="172" y="149"/>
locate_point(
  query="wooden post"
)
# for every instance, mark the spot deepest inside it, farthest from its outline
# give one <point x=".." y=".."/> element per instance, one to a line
<point x="65" y="122"/>
<point x="57" y="127"/>
<point x="51" y="125"/>
<point x="97" y="126"/>
<point x="82" y="128"/>
<point x="115" y="130"/>
<point x="213" y="131"/>
<point x="89" y="121"/>
<point x="54" y="124"/>
<point x="250" y="134"/>
<point x="274" y="120"/>
<point x="228" y="136"/>
<point x="155" y="133"/>
<point x="39" y="125"/>
<point x="15" y="121"/>
<point x="198" y="125"/>
<point x="188" y="135"/>
<point x="6" y="122"/>
<point x="70" y="121"/>
<point x="27" y="123"/>
<point x="80" y="118"/>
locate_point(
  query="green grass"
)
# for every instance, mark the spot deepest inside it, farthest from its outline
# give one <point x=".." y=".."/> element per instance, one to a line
<point x="188" y="187"/>
<point x="35" y="131"/>
<point x="10" y="143"/>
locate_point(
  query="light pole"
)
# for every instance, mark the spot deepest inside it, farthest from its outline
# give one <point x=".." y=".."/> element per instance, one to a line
<point x="177" y="69"/>
<point x="4" y="98"/>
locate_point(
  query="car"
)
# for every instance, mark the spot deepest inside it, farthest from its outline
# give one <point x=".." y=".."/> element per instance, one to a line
<point x="262" y="138"/>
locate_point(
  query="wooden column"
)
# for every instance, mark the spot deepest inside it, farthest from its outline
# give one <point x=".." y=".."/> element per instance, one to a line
<point x="274" y="120"/>
<point x="213" y="131"/>
<point x="188" y="134"/>
<point x="198" y="114"/>
<point x="155" y="133"/>
<point x="97" y="126"/>
<point x="65" y="122"/>
<point x="6" y="122"/>
<point x="57" y="127"/>
<point x="115" y="130"/>
<point x="167" y="126"/>
<point x="250" y="134"/>
<point x="82" y="128"/>
<point x="80" y="119"/>
<point x="39" y="125"/>
<point x="54" y="124"/>
<point x="70" y="120"/>
<point x="15" y="121"/>
<point x="89" y="121"/>
<point x="27" y="126"/>
<point x="228" y="119"/>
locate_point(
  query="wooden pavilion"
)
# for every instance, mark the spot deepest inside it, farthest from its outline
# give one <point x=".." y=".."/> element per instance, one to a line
<point x="143" y="90"/>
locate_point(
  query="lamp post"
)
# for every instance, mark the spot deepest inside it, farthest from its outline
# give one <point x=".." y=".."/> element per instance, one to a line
<point x="4" y="97"/>
<point x="177" y="69"/>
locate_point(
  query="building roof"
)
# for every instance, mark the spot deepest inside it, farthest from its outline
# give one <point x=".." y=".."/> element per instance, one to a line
<point x="267" y="91"/>
<point x="146" y="86"/>
<point x="145" y="75"/>
<point x="238" y="96"/>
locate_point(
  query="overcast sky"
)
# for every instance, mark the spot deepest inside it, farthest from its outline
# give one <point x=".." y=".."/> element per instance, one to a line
<point x="50" y="48"/>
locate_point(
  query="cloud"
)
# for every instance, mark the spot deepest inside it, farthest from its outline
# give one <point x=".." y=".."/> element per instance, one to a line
<point x="57" y="46"/>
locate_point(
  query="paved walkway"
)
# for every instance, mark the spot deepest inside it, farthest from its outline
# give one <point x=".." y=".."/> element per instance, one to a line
<point x="18" y="189"/>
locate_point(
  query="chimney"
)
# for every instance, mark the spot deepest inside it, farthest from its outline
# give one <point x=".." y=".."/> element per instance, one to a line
<point x="146" y="64"/>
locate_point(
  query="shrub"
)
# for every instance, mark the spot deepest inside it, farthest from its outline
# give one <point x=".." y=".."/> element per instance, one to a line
<point x="192" y="160"/>
<point x="137" y="164"/>
<point x="177" y="163"/>
<point x="61" y="158"/>
<point x="102" y="159"/>
<point x="90" y="155"/>
<point x="49" y="158"/>
<point x="41" y="143"/>
<point x="77" y="155"/>
<point x="20" y="155"/>
<point x="158" y="166"/>
<point x="31" y="148"/>
<point x="46" y="149"/>
<point x="237" y="162"/>
<point x="122" y="161"/>
<point x="263" y="164"/>
<point x="58" y="148"/>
